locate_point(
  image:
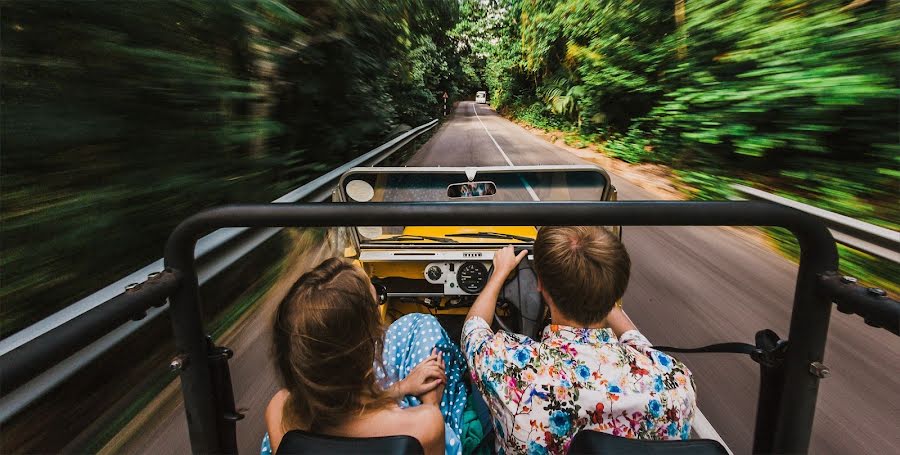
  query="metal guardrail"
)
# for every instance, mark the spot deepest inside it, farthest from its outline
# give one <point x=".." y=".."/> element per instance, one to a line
<point x="859" y="235"/>
<point x="214" y="252"/>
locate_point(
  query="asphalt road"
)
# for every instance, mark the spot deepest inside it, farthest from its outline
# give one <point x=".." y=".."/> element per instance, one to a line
<point x="689" y="287"/>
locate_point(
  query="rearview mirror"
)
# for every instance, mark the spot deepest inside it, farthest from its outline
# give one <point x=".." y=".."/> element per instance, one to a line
<point x="471" y="189"/>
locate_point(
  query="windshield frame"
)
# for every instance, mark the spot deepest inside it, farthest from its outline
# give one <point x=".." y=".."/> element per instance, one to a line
<point x="465" y="172"/>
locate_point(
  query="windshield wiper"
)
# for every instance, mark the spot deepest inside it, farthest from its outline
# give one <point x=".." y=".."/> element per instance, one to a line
<point x="492" y="235"/>
<point x="402" y="237"/>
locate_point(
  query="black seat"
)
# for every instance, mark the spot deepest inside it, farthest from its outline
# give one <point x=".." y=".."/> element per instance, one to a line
<point x="595" y="442"/>
<point x="297" y="442"/>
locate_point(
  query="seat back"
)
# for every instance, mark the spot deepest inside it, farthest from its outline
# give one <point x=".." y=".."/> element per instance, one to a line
<point x="297" y="442"/>
<point x="596" y="442"/>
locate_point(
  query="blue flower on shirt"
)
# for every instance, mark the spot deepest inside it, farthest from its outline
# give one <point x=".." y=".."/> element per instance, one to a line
<point x="655" y="408"/>
<point x="559" y="423"/>
<point x="657" y="384"/>
<point x="686" y="431"/>
<point x="536" y="449"/>
<point x="537" y="393"/>
<point x="497" y="366"/>
<point x="663" y="360"/>
<point x="522" y="356"/>
<point x="614" y="389"/>
<point x="673" y="429"/>
<point x="583" y="372"/>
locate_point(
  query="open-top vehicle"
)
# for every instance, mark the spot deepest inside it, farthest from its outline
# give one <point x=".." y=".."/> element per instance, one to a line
<point x="427" y="236"/>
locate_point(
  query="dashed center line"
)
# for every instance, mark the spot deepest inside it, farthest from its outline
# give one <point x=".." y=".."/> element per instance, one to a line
<point x="528" y="187"/>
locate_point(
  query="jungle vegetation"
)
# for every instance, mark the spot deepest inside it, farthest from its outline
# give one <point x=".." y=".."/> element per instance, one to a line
<point x="122" y="118"/>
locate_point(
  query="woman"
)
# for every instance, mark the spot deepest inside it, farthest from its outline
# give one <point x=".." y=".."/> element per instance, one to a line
<point x="344" y="375"/>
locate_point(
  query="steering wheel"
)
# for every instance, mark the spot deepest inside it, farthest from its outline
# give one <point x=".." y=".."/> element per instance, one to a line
<point x="521" y="292"/>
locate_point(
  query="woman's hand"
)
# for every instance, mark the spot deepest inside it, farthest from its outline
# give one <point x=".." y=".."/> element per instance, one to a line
<point x="505" y="261"/>
<point x="433" y="396"/>
<point x="424" y="377"/>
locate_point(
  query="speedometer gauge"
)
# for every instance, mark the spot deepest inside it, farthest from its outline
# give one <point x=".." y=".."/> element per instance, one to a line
<point x="472" y="276"/>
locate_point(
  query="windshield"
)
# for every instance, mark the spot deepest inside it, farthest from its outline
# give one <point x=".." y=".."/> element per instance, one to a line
<point x="526" y="183"/>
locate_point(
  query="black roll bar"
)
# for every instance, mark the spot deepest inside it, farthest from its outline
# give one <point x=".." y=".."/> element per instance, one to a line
<point x="790" y="418"/>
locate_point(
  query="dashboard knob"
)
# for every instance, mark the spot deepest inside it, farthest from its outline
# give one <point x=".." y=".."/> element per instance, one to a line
<point x="434" y="273"/>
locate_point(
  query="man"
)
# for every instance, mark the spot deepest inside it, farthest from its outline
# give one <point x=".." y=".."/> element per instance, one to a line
<point x="591" y="369"/>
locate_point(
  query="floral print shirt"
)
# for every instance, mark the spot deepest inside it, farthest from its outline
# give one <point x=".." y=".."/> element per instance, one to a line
<point x="542" y="393"/>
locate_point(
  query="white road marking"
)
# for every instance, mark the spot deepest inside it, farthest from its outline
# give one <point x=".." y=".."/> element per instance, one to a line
<point x="528" y="187"/>
<point x="491" y="136"/>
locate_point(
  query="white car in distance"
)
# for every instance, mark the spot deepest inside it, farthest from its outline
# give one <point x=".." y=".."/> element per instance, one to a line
<point x="481" y="97"/>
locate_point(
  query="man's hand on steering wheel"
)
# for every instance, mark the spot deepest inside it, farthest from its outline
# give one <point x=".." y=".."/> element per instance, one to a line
<point x="520" y="292"/>
<point x="506" y="260"/>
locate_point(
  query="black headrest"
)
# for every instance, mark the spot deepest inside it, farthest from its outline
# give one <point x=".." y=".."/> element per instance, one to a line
<point x="297" y="442"/>
<point x="595" y="442"/>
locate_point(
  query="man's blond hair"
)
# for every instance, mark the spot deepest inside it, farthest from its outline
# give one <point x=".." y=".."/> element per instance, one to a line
<point x="584" y="269"/>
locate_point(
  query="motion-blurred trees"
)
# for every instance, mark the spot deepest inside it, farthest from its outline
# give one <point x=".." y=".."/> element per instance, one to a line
<point x="802" y="96"/>
<point x="122" y="118"/>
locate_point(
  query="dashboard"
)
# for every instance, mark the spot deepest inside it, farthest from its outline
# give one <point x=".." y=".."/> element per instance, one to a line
<point x="458" y="278"/>
<point x="408" y="273"/>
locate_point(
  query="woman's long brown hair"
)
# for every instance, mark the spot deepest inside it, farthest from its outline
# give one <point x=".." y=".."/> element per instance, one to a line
<point x="328" y="339"/>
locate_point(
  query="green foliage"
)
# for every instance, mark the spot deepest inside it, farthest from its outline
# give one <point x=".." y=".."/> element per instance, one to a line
<point x="795" y="81"/>
<point x="706" y="186"/>
<point x="538" y="115"/>
<point x="790" y="94"/>
<point x="560" y="97"/>
<point x="122" y="118"/>
<point x="632" y="147"/>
